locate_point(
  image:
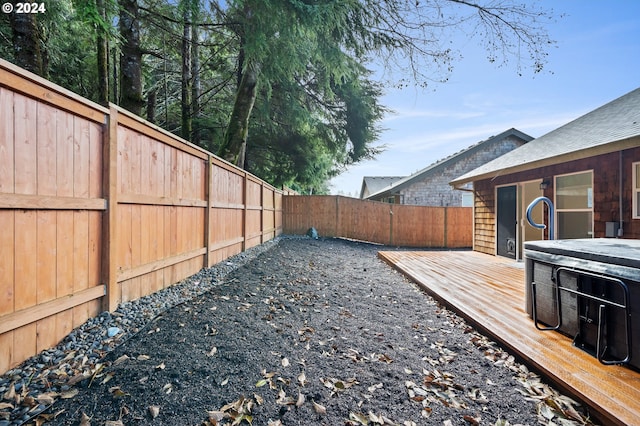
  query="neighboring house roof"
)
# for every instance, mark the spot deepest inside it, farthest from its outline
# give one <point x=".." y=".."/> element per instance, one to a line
<point x="607" y="129"/>
<point x="377" y="183"/>
<point x="441" y="164"/>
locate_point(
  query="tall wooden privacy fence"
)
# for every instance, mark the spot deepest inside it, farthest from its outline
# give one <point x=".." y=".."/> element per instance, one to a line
<point x="392" y="224"/>
<point x="98" y="207"/>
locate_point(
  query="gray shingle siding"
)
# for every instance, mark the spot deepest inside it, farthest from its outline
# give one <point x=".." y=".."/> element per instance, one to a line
<point x="435" y="190"/>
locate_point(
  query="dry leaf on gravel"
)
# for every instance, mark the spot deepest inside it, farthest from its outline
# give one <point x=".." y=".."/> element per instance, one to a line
<point x="153" y="410"/>
<point x="320" y="409"/>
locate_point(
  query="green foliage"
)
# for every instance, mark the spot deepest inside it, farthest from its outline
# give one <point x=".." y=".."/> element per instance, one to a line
<point x="316" y="109"/>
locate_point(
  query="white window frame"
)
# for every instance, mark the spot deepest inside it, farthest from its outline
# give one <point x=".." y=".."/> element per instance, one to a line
<point x="467" y="199"/>
<point x="635" y="191"/>
<point x="555" y="201"/>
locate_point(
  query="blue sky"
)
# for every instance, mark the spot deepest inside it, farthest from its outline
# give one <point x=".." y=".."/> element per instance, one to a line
<point x="596" y="60"/>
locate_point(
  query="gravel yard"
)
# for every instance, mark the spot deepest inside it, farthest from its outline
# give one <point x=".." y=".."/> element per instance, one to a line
<point x="300" y="332"/>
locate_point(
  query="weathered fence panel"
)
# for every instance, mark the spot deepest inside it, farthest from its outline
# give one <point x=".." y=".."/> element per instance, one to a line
<point x="393" y="224"/>
<point x="98" y="207"/>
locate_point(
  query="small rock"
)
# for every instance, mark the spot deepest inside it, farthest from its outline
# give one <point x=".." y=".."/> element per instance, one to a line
<point x="112" y="331"/>
<point x="313" y="233"/>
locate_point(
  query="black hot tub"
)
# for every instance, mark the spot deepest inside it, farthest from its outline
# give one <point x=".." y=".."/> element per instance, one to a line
<point x="588" y="289"/>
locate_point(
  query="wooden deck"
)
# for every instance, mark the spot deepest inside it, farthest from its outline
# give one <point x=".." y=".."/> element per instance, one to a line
<point x="488" y="291"/>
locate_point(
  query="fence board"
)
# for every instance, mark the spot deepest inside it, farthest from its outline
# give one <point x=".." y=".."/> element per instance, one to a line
<point x="46" y="128"/>
<point x="25" y="154"/>
<point x="64" y="154"/>
<point x="7" y="165"/>
<point x="46" y="273"/>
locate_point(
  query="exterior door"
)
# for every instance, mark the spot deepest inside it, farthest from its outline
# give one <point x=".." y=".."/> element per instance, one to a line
<point x="507" y="208"/>
<point x="529" y="191"/>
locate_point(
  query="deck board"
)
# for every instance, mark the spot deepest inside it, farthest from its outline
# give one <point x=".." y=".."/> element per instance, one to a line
<point x="488" y="291"/>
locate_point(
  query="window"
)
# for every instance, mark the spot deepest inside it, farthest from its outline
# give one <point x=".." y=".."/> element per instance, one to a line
<point x="574" y="205"/>
<point x="636" y="190"/>
<point x="467" y="199"/>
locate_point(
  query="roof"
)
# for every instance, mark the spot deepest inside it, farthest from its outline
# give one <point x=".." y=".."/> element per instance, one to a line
<point x="607" y="129"/>
<point x="377" y="183"/>
<point x="445" y="162"/>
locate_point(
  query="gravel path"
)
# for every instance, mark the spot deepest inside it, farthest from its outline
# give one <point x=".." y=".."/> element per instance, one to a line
<point x="296" y="332"/>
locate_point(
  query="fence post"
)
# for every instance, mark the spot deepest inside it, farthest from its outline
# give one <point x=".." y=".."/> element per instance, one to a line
<point x="275" y="213"/>
<point x="207" y="216"/>
<point x="244" y="213"/>
<point x="262" y="212"/>
<point x="390" y="224"/>
<point x="110" y="218"/>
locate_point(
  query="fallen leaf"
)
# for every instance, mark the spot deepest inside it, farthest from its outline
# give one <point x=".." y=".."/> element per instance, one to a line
<point x="302" y="379"/>
<point x="258" y="398"/>
<point x="359" y="417"/>
<point x="4" y="405"/>
<point x="121" y="359"/>
<point x="283" y="399"/>
<point x="160" y="366"/>
<point x="224" y="382"/>
<point x="320" y="409"/>
<point x="373" y="388"/>
<point x="274" y="423"/>
<point x="213" y="351"/>
<point x="300" y="400"/>
<point x="143" y="357"/>
<point x="216" y="416"/>
<point x="29" y="401"/>
<point x="375" y="419"/>
<point x="285" y="362"/>
<point x="45" y="399"/>
<point x="571" y="413"/>
<point x="85" y="420"/>
<point x="385" y="358"/>
<point x="113" y="423"/>
<point x="168" y="388"/>
<point x="154" y="410"/>
<point x="116" y="392"/>
<point x="107" y="377"/>
<point x="10" y="394"/>
<point x="475" y="421"/>
<point x="261" y="383"/>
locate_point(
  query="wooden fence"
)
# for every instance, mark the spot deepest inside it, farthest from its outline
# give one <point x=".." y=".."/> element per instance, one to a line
<point x="392" y="224"/>
<point x="98" y="207"/>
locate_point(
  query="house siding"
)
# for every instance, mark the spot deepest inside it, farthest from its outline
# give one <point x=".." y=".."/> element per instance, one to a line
<point x="484" y="218"/>
<point x="434" y="190"/>
<point x="606" y="194"/>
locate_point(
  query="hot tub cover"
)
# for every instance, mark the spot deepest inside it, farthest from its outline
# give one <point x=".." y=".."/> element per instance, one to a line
<point x="614" y="257"/>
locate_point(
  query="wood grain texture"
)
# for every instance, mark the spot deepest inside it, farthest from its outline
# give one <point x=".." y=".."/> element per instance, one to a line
<point x="488" y="291"/>
<point x="93" y="197"/>
<point x="382" y="223"/>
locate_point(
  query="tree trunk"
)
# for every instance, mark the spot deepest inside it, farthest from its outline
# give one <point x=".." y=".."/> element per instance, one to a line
<point x="26" y="42"/>
<point x="131" y="59"/>
<point x="196" y="88"/>
<point x="103" y="57"/>
<point x="234" y="143"/>
<point x="186" y="74"/>
<point x="151" y="106"/>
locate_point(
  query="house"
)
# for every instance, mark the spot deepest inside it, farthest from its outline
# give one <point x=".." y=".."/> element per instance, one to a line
<point x="373" y="184"/>
<point x="589" y="169"/>
<point x="430" y="186"/>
